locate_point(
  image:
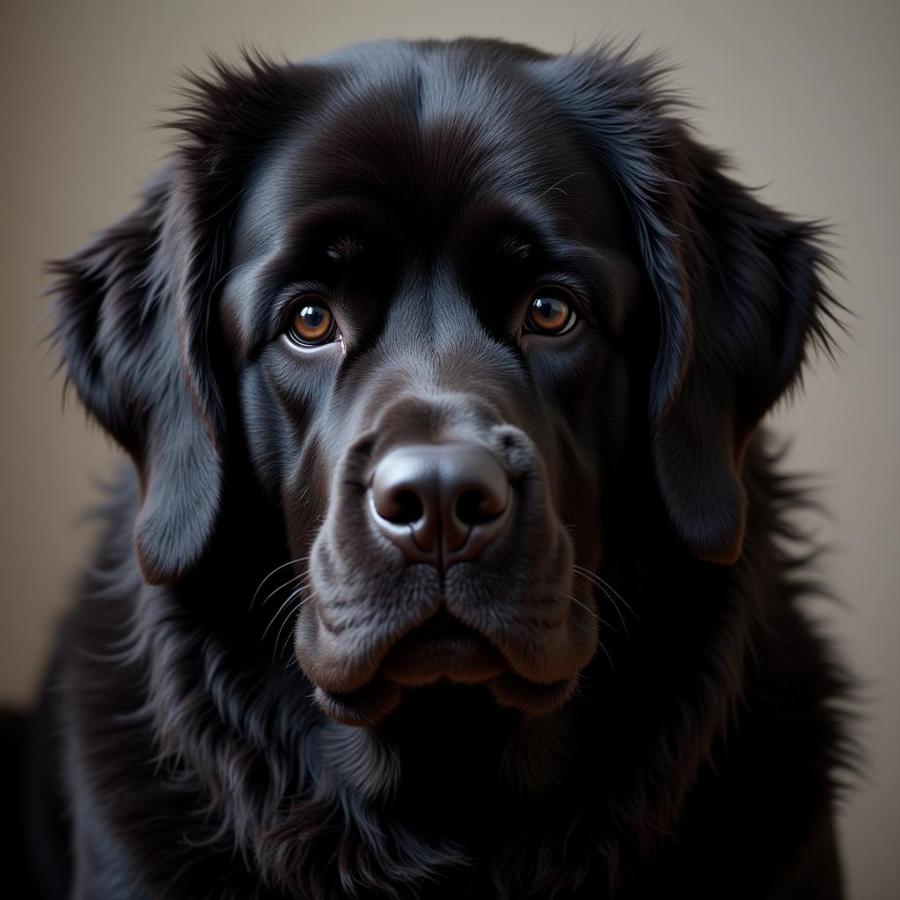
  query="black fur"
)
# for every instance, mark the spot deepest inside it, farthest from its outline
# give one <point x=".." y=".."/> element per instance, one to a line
<point x="685" y="741"/>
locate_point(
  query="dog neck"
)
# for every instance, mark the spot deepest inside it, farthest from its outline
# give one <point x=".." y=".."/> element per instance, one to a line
<point x="451" y="744"/>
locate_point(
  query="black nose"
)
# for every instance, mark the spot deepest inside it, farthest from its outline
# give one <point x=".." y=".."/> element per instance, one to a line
<point x="440" y="503"/>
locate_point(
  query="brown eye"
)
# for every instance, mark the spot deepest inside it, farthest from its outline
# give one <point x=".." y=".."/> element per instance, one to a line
<point x="312" y="323"/>
<point x="550" y="312"/>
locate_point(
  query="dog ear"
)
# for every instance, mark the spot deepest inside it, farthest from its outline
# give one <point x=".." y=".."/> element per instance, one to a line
<point x="756" y="305"/>
<point x="125" y="341"/>
<point x="738" y="286"/>
<point x="135" y="308"/>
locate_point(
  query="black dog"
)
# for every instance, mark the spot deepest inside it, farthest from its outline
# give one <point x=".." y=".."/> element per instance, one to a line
<point x="453" y="564"/>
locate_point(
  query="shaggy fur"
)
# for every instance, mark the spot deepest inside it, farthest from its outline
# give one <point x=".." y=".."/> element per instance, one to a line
<point x="680" y="738"/>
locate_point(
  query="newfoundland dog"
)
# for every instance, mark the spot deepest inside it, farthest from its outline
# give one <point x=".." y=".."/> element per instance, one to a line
<point x="453" y="562"/>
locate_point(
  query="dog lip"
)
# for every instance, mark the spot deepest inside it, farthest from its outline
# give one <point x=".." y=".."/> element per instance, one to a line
<point x="443" y="647"/>
<point x="446" y="644"/>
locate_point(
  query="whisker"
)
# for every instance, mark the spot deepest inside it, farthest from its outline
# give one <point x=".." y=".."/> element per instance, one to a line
<point x="600" y="643"/>
<point x="280" y="586"/>
<point x="591" y="612"/>
<point x="291" y="614"/>
<point x="602" y="581"/>
<point x="281" y="609"/>
<point x="614" y="603"/>
<point x="611" y="593"/>
<point x="280" y="651"/>
<point x="602" y="646"/>
<point x="290" y="562"/>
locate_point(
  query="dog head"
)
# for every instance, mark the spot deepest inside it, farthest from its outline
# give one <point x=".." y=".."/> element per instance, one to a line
<point x="440" y="301"/>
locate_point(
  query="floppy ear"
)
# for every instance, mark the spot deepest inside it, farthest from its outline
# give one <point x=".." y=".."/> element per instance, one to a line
<point x="737" y="284"/>
<point x="134" y="308"/>
<point x="756" y="305"/>
<point x="126" y="340"/>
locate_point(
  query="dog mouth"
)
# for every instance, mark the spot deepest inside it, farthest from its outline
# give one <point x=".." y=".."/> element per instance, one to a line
<point x="442" y="650"/>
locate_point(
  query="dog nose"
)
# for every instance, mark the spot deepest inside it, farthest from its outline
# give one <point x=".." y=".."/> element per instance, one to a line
<point x="440" y="503"/>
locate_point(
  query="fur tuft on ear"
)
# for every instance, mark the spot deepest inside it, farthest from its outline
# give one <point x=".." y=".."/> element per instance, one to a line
<point x="739" y="287"/>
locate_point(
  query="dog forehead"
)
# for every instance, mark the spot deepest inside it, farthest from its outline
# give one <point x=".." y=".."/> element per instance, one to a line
<point x="423" y="142"/>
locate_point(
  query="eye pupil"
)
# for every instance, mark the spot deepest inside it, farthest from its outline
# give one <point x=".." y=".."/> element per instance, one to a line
<point x="312" y="316"/>
<point x="548" y="308"/>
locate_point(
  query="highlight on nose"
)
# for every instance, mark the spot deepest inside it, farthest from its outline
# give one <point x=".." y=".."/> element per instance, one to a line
<point x="440" y="503"/>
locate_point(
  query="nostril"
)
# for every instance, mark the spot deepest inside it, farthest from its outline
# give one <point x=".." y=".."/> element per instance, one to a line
<point x="404" y="507"/>
<point x="476" y="507"/>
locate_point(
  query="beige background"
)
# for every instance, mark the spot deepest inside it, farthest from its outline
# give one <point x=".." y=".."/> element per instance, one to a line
<point x="805" y="95"/>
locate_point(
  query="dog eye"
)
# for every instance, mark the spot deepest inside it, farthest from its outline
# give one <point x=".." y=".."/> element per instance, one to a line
<point x="550" y="311"/>
<point x="312" y="323"/>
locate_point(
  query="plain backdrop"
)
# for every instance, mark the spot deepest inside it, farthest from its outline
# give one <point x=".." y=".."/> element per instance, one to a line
<point x="803" y="94"/>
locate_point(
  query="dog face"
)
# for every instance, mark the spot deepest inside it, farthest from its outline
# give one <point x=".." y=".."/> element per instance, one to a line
<point x="428" y="294"/>
<point x="428" y="316"/>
